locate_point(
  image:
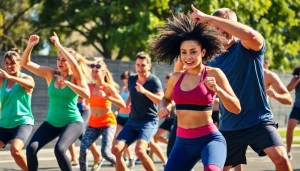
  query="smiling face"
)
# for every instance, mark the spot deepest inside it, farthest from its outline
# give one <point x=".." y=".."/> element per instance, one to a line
<point x="142" y="67"/>
<point x="12" y="65"/>
<point x="191" y="53"/>
<point x="62" y="63"/>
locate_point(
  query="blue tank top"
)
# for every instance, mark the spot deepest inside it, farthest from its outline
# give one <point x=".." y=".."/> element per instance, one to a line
<point x="244" y="70"/>
<point x="124" y="96"/>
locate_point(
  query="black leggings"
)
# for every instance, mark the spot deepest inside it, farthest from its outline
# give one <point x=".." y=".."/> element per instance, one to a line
<point x="172" y="137"/>
<point x="46" y="133"/>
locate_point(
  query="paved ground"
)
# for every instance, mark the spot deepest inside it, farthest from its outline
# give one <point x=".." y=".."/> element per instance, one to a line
<point x="48" y="162"/>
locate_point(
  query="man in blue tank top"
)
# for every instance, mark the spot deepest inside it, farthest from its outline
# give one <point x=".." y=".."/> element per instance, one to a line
<point x="242" y="63"/>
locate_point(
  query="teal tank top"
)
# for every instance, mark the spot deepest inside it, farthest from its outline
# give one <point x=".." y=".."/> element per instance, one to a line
<point x="15" y="106"/>
<point x="62" y="106"/>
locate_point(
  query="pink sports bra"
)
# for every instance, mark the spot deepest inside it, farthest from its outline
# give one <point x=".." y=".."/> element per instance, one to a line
<point x="200" y="98"/>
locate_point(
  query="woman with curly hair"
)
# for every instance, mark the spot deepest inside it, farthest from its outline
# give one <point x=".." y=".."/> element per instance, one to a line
<point x="193" y="92"/>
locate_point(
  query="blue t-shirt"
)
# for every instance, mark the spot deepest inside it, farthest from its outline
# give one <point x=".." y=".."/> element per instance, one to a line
<point x="244" y="70"/>
<point x="142" y="108"/>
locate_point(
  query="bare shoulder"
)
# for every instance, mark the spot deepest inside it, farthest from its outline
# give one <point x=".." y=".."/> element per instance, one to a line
<point x="213" y="72"/>
<point x="175" y="77"/>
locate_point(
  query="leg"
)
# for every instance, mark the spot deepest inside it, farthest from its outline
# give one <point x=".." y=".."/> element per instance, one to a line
<point x="38" y="141"/>
<point x="158" y="137"/>
<point x="184" y="156"/>
<point x="85" y="114"/>
<point x="88" y="139"/>
<point x="96" y="153"/>
<point x="238" y="168"/>
<point x="107" y="140"/>
<point x="214" y="153"/>
<point x="21" y="135"/>
<point x="17" y="153"/>
<point x="172" y="137"/>
<point x="126" y="137"/>
<point x="74" y="160"/>
<point x="289" y="134"/>
<point x="140" y="151"/>
<point x="68" y="136"/>
<point x="158" y="151"/>
<point x="279" y="157"/>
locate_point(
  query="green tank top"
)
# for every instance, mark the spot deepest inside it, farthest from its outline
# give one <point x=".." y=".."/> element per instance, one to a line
<point x="15" y="106"/>
<point x="62" y="106"/>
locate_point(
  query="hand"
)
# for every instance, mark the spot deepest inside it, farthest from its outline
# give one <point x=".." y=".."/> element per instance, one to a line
<point x="33" y="40"/>
<point x="60" y="79"/>
<point x="270" y="92"/>
<point x="211" y="83"/>
<point x="199" y="16"/>
<point x="164" y="112"/>
<point x="102" y="94"/>
<point x="139" y="88"/>
<point x="4" y="74"/>
<point x="54" y="39"/>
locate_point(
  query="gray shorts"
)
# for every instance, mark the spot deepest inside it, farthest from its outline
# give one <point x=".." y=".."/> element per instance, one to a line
<point x="21" y="132"/>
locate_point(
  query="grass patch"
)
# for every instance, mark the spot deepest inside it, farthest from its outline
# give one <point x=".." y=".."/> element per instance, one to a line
<point x="282" y="132"/>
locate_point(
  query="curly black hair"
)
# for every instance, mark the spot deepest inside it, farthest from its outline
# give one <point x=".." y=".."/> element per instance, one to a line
<point x="296" y="71"/>
<point x="166" y="47"/>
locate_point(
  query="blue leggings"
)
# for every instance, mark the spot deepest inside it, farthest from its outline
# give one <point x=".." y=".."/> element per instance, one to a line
<point x="188" y="151"/>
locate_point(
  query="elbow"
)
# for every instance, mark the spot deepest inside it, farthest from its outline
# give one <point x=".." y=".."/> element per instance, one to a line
<point x="86" y="95"/>
<point x="237" y="108"/>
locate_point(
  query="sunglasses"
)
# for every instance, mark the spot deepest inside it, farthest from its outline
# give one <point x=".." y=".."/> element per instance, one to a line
<point x="95" y="65"/>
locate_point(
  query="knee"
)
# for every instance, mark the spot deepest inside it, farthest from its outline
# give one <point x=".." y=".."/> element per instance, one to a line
<point x="117" y="151"/>
<point x="15" y="151"/>
<point x="105" y="152"/>
<point x="59" y="150"/>
<point x="32" y="149"/>
<point x="140" y="153"/>
<point x="280" y="160"/>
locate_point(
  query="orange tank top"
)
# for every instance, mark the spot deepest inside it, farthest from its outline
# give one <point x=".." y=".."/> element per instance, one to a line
<point x="97" y="101"/>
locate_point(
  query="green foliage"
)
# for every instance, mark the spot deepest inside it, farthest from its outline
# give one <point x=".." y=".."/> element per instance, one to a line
<point x="16" y="18"/>
<point x="121" y="28"/>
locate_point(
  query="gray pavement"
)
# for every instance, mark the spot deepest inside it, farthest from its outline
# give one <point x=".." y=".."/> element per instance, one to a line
<point x="47" y="161"/>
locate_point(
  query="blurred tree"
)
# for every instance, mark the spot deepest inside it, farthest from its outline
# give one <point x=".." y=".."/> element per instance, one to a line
<point x="108" y="25"/>
<point x="16" y="18"/>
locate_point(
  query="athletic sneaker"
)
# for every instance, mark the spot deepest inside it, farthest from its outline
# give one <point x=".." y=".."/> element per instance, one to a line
<point x="290" y="156"/>
<point x="131" y="162"/>
<point x="98" y="165"/>
<point x="138" y="161"/>
<point x="74" y="165"/>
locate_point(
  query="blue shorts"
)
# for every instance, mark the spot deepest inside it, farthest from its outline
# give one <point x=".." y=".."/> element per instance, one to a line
<point x="138" y="129"/>
<point x="21" y="132"/>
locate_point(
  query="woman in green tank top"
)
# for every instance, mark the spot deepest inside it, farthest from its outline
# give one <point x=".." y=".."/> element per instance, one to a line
<point x="63" y="119"/>
<point x="16" y="119"/>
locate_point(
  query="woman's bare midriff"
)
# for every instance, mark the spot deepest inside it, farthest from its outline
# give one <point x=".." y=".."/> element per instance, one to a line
<point x="97" y="111"/>
<point x="193" y="119"/>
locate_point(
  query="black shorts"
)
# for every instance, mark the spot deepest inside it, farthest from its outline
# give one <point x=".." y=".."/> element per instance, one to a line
<point x="295" y="113"/>
<point x="258" y="137"/>
<point x="121" y="120"/>
<point x="215" y="117"/>
<point x="167" y="124"/>
<point x="21" y="132"/>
